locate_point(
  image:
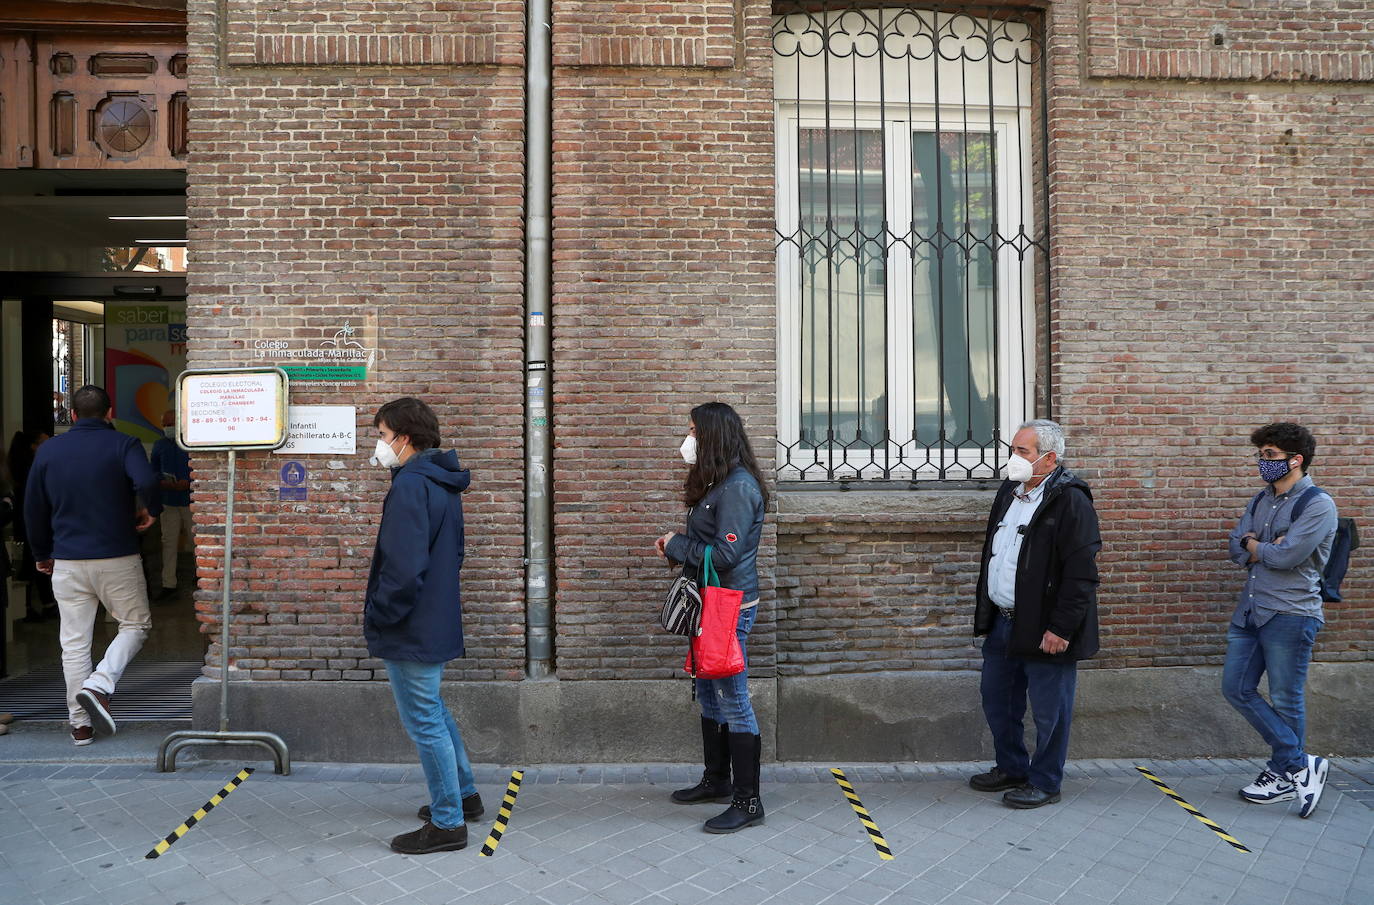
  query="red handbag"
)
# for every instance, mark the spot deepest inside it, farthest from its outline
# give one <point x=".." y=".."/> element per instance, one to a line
<point x="715" y="652"/>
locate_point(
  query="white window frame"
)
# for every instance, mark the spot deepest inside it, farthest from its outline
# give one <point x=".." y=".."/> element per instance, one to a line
<point x="1016" y="281"/>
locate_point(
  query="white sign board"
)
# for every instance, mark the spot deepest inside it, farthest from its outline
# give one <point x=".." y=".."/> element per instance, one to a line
<point x="321" y="430"/>
<point x="238" y="409"/>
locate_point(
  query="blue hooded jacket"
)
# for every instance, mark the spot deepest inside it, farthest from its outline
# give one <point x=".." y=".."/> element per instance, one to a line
<point x="414" y="607"/>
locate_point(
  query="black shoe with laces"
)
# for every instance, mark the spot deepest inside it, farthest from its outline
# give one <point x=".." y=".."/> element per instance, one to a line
<point x="995" y="780"/>
<point x="429" y="839"/>
<point x="472" y="808"/>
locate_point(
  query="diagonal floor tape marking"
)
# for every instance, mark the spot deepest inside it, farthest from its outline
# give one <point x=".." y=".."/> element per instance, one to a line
<point x="200" y="813"/>
<point x="1210" y="824"/>
<point x="498" y="829"/>
<point x="875" y="835"/>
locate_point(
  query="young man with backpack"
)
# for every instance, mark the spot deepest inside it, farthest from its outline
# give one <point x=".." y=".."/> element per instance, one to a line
<point x="1283" y="540"/>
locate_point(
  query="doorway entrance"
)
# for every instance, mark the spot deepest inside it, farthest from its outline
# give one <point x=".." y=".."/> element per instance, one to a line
<point x="125" y="333"/>
<point x="93" y="143"/>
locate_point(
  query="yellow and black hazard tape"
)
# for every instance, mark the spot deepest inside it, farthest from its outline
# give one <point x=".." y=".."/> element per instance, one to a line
<point x="1210" y="824"/>
<point x="199" y="815"/>
<point x="498" y="829"/>
<point x="875" y="835"/>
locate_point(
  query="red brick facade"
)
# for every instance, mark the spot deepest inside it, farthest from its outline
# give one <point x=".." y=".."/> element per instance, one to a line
<point x="1210" y="271"/>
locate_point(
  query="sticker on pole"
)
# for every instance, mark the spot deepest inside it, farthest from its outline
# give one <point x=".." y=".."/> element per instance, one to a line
<point x="232" y="409"/>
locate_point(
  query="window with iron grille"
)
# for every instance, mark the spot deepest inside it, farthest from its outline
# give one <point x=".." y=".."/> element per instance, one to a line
<point x="911" y="238"/>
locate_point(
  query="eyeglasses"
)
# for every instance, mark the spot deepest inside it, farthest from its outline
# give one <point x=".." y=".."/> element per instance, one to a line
<point x="1270" y="455"/>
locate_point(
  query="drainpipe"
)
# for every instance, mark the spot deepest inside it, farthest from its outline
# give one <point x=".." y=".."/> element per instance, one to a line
<point x="538" y="379"/>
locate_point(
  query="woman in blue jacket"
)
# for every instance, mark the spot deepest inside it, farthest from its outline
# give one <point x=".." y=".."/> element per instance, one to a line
<point x="725" y="500"/>
<point x="413" y="617"/>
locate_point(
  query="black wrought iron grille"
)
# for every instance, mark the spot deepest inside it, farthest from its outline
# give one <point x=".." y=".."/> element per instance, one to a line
<point x="911" y="238"/>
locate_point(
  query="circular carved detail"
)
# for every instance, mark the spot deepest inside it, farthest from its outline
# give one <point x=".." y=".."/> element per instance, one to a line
<point x="124" y="126"/>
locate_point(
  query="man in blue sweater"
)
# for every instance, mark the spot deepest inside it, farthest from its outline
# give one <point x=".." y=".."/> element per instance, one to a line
<point x="90" y="493"/>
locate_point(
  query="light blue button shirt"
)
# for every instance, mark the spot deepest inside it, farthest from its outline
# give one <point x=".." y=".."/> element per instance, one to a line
<point x="1006" y="545"/>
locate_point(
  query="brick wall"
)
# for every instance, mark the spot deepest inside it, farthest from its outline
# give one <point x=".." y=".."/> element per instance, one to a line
<point x="663" y="299"/>
<point x="1203" y="203"/>
<point x="1213" y="274"/>
<point x="1193" y="224"/>
<point x="390" y="197"/>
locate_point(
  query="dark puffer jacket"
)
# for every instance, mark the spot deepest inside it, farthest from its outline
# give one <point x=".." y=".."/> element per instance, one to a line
<point x="1056" y="574"/>
<point x="414" y="608"/>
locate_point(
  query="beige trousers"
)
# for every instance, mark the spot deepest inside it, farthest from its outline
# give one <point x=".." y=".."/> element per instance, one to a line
<point x="81" y="586"/>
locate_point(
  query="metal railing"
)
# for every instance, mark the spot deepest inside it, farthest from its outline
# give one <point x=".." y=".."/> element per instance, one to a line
<point x="911" y="238"/>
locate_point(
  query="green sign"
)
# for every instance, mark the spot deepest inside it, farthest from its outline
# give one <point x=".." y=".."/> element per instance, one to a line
<point x="326" y="372"/>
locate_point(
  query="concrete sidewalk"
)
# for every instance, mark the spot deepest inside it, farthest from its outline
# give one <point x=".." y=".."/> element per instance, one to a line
<point x="75" y="825"/>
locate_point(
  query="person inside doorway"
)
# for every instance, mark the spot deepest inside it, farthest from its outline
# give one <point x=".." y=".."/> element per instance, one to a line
<point x="89" y="495"/>
<point x="40" y="603"/>
<point x="173" y="465"/>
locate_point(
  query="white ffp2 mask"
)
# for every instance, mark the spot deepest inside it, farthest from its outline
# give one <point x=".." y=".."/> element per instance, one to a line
<point x="689" y="450"/>
<point x="1021" y="470"/>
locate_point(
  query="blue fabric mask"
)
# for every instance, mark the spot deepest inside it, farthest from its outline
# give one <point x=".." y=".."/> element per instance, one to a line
<point x="1272" y="470"/>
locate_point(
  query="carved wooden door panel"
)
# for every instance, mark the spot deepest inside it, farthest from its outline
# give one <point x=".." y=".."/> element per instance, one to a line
<point x="16" y="101"/>
<point x="103" y="104"/>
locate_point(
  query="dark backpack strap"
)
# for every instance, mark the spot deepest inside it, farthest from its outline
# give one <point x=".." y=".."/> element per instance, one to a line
<point x="1254" y="504"/>
<point x="1303" y="500"/>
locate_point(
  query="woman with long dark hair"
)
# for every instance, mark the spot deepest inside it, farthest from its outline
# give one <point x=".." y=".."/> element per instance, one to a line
<point x="726" y="499"/>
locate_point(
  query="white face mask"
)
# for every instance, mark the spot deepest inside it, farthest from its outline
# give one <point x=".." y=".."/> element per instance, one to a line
<point x="1021" y="470"/>
<point x="170" y="432"/>
<point x="384" y="455"/>
<point x="689" y="450"/>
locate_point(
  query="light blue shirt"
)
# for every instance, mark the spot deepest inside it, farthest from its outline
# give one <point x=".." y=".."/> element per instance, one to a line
<point x="1006" y="545"/>
<point x="1287" y="577"/>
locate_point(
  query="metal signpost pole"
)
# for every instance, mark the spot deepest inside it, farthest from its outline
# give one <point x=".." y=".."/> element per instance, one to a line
<point x="226" y="582"/>
<point x="176" y="741"/>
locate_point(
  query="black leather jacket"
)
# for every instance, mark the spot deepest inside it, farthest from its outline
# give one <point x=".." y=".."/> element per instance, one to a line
<point x="730" y="519"/>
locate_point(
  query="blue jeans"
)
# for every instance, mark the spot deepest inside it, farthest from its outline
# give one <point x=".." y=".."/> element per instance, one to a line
<point x="1282" y="647"/>
<point x="1006" y="683"/>
<point x="727" y="700"/>
<point x="431" y="727"/>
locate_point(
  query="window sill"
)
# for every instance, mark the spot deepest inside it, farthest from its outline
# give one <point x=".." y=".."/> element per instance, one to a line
<point x="963" y="510"/>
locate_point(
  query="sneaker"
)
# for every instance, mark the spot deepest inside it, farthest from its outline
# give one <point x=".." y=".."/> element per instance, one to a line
<point x="1269" y="788"/>
<point x="1309" y="783"/>
<point x="82" y="736"/>
<point x="97" y="707"/>
<point x="429" y="839"/>
<point x="995" y="780"/>
<point x="472" y="808"/>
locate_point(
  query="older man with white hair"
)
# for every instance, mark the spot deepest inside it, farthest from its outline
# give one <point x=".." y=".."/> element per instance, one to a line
<point x="1037" y="605"/>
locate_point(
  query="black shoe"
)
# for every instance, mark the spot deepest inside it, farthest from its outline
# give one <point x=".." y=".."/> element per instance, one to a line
<point x="97" y="707"/>
<point x="995" y="781"/>
<point x="1028" y="796"/>
<point x="742" y="812"/>
<point x="165" y="594"/>
<point x="472" y="808"/>
<point x="704" y="792"/>
<point x="429" y="839"/>
<point x="715" y="779"/>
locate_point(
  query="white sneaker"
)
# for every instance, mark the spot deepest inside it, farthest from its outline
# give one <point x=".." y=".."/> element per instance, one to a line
<point x="1310" y="781"/>
<point x="1269" y="788"/>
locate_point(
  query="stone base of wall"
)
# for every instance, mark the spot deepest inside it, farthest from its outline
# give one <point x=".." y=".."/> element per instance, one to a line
<point x="883" y="717"/>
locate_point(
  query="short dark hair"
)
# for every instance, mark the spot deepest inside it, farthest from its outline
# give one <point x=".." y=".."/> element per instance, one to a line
<point x="1289" y="437"/>
<point x="90" y="402"/>
<point x="410" y="417"/>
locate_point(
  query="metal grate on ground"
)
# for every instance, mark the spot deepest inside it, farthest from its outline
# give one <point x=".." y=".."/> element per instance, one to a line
<point x="149" y="690"/>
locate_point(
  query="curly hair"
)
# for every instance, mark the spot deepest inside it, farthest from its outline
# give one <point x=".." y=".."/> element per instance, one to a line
<point x="1289" y="437"/>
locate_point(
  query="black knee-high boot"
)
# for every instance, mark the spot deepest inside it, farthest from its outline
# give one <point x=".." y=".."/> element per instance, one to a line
<point x="715" y="780"/>
<point x="746" y="808"/>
